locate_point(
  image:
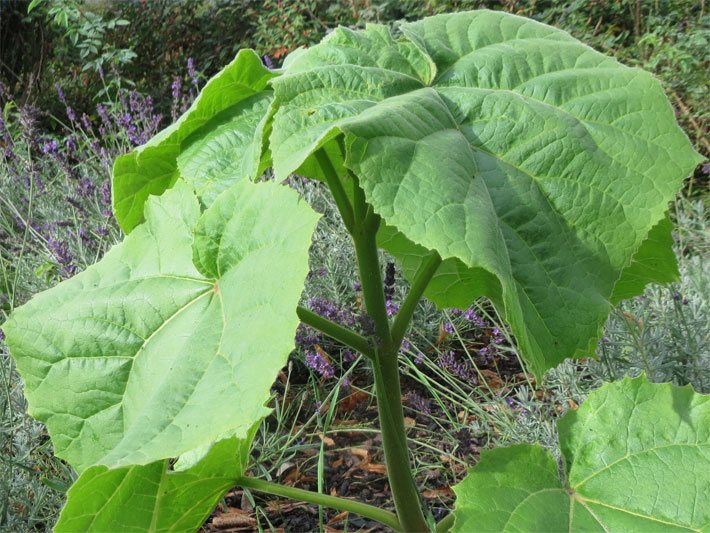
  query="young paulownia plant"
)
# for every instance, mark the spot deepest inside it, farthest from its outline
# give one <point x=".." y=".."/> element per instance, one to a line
<point x="493" y="156"/>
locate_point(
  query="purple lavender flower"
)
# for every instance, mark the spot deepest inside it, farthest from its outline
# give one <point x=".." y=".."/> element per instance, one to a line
<point x="50" y="147"/>
<point x="357" y="286"/>
<point x="176" y="91"/>
<point x="86" y="122"/>
<point x="348" y="356"/>
<point x="406" y="346"/>
<point x="391" y="307"/>
<point x="85" y="188"/>
<point x="60" y="93"/>
<point x="315" y="361"/>
<point x="267" y="61"/>
<point x="72" y="116"/>
<point x="345" y="384"/>
<point x="306" y="337"/>
<point x="389" y="280"/>
<point x="485" y="355"/>
<point x="61" y="253"/>
<point x="449" y="328"/>
<point x="102" y="231"/>
<point x="474" y="318"/>
<point x="104" y="116"/>
<point x="450" y="362"/>
<point x="418" y="358"/>
<point x="331" y="311"/>
<point x="417" y="402"/>
<point x="191" y="72"/>
<point x="70" y="144"/>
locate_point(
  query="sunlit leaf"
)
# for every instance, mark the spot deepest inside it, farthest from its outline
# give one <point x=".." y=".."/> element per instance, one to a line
<point x="637" y="459"/>
<point x="145" y="356"/>
<point x="534" y="165"/>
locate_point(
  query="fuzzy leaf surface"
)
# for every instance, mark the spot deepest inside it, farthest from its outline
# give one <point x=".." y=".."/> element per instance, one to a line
<point x="126" y="362"/>
<point x="637" y="457"/>
<point x="534" y="165"/>
<point x="228" y="100"/>
<point x="153" y="497"/>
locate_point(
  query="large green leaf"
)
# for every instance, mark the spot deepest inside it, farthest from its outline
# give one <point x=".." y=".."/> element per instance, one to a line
<point x="229" y="152"/>
<point x="654" y="261"/>
<point x="229" y="101"/>
<point x="637" y="458"/>
<point x="154" y="497"/>
<point x="146" y="356"/>
<point x="534" y="165"/>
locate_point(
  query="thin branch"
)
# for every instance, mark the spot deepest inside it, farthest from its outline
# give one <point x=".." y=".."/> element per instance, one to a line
<point x="421" y="280"/>
<point x="336" y="189"/>
<point x="368" y="511"/>
<point x="336" y="331"/>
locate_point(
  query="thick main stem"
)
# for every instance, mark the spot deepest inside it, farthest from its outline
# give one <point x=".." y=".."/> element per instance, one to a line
<point x="363" y="223"/>
<point x="405" y="494"/>
<point x="389" y="397"/>
<point x="341" y="504"/>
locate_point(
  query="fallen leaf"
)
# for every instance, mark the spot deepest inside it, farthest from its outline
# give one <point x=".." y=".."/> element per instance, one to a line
<point x="351" y="401"/>
<point x="360" y="452"/>
<point x="326" y="440"/>
<point x="338" y="518"/>
<point x="284" y="506"/>
<point x="375" y="468"/>
<point x="284" y="467"/>
<point x="234" y="518"/>
<point x="443" y="492"/>
<point x="492" y="379"/>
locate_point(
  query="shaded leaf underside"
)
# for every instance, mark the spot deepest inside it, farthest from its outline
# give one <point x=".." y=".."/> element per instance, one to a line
<point x="153" y="497"/>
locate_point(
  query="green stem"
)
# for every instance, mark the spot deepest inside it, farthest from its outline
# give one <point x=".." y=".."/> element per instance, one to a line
<point x="363" y="230"/>
<point x="372" y="287"/>
<point x="336" y="331"/>
<point x="406" y="311"/>
<point x="405" y="494"/>
<point x="341" y="504"/>
<point x="336" y="189"/>
<point x="446" y="523"/>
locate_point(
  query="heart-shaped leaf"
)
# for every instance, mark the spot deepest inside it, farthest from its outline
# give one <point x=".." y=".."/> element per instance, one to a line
<point x="637" y="458"/>
<point x="145" y="356"/>
<point x="534" y="165"/>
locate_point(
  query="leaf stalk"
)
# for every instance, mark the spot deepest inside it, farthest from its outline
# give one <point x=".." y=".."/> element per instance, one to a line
<point x="421" y="281"/>
<point x="336" y="188"/>
<point x="336" y="331"/>
<point x="341" y="504"/>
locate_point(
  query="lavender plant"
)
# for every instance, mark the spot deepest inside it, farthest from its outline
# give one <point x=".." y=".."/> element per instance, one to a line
<point x="491" y="156"/>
